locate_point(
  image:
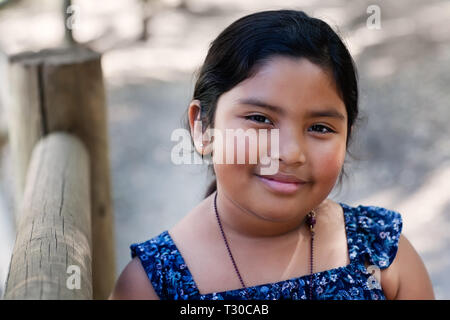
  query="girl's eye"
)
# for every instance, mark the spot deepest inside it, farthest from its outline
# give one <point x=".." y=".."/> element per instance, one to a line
<point x="259" y="118"/>
<point x="322" y="129"/>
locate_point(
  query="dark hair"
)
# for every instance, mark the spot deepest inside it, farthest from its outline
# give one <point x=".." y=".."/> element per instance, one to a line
<point x="249" y="42"/>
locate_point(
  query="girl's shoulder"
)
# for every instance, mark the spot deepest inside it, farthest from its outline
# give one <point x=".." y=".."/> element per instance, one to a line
<point x="133" y="284"/>
<point x="373" y="231"/>
<point x="162" y="260"/>
<point x="377" y="234"/>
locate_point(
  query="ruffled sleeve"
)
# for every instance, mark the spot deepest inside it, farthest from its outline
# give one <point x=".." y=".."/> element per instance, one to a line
<point x="165" y="267"/>
<point x="149" y="255"/>
<point x="379" y="229"/>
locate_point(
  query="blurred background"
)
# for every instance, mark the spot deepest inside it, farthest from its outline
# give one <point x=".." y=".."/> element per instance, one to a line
<point x="151" y="50"/>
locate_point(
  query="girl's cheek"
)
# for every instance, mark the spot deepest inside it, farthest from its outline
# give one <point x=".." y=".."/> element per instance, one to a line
<point x="328" y="162"/>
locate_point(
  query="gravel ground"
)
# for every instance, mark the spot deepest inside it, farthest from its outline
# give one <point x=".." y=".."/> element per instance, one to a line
<point x="402" y="140"/>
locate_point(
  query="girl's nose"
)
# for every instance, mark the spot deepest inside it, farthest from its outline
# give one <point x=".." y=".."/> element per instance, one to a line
<point x="292" y="149"/>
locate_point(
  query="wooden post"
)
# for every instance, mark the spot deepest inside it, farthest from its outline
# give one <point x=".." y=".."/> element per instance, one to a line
<point x="63" y="90"/>
<point x="52" y="253"/>
<point x="24" y="122"/>
<point x="4" y="94"/>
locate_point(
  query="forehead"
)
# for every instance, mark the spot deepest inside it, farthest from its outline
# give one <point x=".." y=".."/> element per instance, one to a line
<point x="296" y="85"/>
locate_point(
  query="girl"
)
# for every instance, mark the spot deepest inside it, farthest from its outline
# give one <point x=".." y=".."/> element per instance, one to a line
<point x="278" y="236"/>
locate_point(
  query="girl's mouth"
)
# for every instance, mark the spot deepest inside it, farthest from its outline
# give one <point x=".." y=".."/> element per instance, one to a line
<point x="279" y="186"/>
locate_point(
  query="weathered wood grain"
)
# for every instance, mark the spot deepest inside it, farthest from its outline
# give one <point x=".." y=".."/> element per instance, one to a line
<point x="63" y="90"/>
<point x="55" y="224"/>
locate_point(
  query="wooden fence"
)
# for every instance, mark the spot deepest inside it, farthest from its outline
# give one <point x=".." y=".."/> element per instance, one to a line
<point x="52" y="253"/>
<point x="57" y="131"/>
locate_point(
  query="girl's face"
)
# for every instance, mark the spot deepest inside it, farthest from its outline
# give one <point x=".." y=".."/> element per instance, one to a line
<point x="311" y="147"/>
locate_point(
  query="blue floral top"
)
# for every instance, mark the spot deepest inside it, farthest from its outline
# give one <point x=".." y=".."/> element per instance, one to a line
<point x="372" y="232"/>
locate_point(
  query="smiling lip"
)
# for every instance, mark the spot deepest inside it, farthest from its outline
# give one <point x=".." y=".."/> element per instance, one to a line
<point x="281" y="177"/>
<point x="275" y="184"/>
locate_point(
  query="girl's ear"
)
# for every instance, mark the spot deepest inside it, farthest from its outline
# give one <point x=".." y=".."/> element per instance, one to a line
<point x="202" y="139"/>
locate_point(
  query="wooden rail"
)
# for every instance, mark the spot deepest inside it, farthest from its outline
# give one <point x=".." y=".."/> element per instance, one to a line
<point x="52" y="253"/>
<point x="58" y="90"/>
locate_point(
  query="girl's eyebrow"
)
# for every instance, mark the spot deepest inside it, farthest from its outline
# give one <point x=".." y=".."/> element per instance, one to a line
<point x="258" y="103"/>
<point x="330" y="113"/>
